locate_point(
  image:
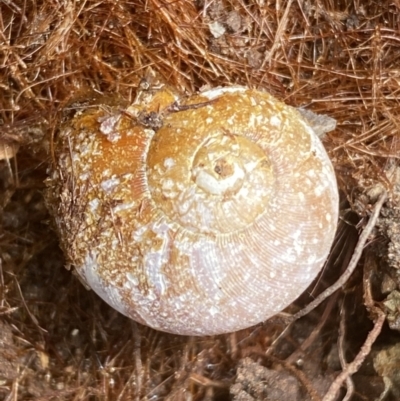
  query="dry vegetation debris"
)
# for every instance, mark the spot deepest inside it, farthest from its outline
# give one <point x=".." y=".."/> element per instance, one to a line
<point x="339" y="58"/>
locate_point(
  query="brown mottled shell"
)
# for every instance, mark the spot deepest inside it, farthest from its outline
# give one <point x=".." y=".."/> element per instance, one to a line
<point x="210" y="224"/>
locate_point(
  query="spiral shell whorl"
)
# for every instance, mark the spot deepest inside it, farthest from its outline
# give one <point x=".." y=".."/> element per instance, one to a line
<point x="212" y="223"/>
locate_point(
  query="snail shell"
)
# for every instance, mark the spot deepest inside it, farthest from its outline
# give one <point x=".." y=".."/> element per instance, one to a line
<point x="198" y="215"/>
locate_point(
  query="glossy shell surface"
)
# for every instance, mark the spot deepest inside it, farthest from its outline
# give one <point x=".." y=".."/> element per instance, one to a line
<point x="196" y="216"/>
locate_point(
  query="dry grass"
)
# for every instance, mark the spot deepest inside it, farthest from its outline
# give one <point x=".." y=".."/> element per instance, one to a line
<point x="340" y="58"/>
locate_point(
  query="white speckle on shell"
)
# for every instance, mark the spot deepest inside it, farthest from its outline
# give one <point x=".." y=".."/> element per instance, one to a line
<point x="94" y="204"/>
<point x="169" y="163"/>
<point x="124" y="206"/>
<point x="132" y="279"/>
<point x="110" y="184"/>
<point x="275" y="121"/>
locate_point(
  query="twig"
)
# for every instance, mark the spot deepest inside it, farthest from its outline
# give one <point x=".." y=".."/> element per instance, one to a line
<point x="342" y="357"/>
<point x="353" y="367"/>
